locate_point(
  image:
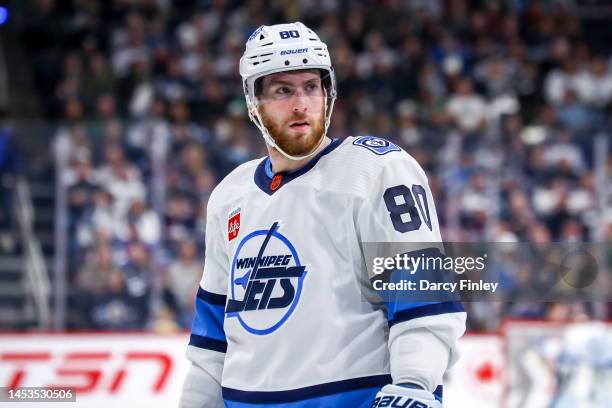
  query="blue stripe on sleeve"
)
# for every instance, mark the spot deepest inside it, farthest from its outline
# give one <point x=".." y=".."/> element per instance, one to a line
<point x="424" y="310"/>
<point x="212" y="298"/>
<point x="407" y="305"/>
<point x="207" y="327"/>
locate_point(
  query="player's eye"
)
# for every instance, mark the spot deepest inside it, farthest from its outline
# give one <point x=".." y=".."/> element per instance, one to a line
<point x="283" y="90"/>
<point x="313" y="88"/>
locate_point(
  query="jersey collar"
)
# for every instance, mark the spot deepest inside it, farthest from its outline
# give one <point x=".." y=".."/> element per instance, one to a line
<point x="270" y="183"/>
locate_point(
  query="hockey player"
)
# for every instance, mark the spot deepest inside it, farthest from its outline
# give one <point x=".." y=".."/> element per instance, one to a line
<point x="282" y="312"/>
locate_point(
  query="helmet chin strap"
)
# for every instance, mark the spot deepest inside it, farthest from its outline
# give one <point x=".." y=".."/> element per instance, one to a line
<point x="270" y="140"/>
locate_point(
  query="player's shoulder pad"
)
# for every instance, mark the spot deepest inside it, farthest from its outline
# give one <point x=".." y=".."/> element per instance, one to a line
<point x="380" y="153"/>
<point x="233" y="184"/>
<point x="376" y="145"/>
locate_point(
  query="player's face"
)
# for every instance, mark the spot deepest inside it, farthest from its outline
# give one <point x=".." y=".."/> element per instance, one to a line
<point x="292" y="107"/>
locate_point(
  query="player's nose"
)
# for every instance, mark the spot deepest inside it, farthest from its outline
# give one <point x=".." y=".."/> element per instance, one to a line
<point x="300" y="107"/>
<point x="299" y="101"/>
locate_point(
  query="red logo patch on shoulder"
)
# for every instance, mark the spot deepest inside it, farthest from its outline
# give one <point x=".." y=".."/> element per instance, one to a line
<point x="233" y="225"/>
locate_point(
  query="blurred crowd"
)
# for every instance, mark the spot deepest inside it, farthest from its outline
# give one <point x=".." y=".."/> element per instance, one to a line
<point x="500" y="101"/>
<point x="10" y="169"/>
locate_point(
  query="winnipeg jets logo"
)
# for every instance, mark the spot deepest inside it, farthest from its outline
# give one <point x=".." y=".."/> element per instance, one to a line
<point x="267" y="279"/>
<point x="376" y="144"/>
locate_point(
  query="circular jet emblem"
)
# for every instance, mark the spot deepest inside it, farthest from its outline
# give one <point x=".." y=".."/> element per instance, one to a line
<point x="267" y="279"/>
<point x="376" y="143"/>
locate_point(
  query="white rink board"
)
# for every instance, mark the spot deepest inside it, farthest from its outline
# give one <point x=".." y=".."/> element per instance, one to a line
<point x="477" y="379"/>
<point x="154" y="367"/>
<point x="116" y="370"/>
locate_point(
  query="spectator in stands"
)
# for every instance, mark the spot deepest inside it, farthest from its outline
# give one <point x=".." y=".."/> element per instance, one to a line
<point x="96" y="275"/>
<point x="562" y="157"/>
<point x="138" y="276"/>
<point x="120" y="178"/>
<point x="81" y="189"/>
<point x="182" y="281"/>
<point x="183" y="129"/>
<point x="574" y="113"/>
<point x="180" y="217"/>
<point x="474" y="204"/>
<point x="148" y="137"/>
<point x="467" y="109"/>
<point x="599" y="83"/>
<point x="568" y="78"/>
<point x="139" y="224"/>
<point x="112" y="298"/>
<point x="98" y="218"/>
<point x="497" y="75"/>
<point x="98" y="78"/>
<point x="191" y="163"/>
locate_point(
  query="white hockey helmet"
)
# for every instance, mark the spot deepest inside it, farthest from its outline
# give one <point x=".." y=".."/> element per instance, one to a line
<point x="279" y="48"/>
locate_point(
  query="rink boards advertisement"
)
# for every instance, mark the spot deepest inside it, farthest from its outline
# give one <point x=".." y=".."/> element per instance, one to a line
<point x="106" y="370"/>
<point x="521" y="366"/>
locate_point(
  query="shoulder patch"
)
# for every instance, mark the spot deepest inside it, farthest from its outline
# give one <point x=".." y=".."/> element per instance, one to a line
<point x="376" y="144"/>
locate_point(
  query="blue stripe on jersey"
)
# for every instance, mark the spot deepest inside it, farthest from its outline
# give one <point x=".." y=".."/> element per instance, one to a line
<point x="353" y="399"/>
<point x="422" y="310"/>
<point x="207" y="327"/>
<point x="208" y="343"/>
<point x="309" y="395"/>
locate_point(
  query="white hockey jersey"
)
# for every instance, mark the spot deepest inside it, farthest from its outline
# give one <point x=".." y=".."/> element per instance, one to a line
<point x="281" y="319"/>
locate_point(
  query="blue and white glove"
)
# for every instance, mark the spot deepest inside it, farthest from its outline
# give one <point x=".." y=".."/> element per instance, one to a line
<point x="399" y="396"/>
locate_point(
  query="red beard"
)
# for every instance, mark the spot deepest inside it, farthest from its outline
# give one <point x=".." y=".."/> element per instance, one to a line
<point x="295" y="144"/>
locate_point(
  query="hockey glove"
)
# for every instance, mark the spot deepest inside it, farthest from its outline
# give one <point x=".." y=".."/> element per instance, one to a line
<point x="404" y="397"/>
